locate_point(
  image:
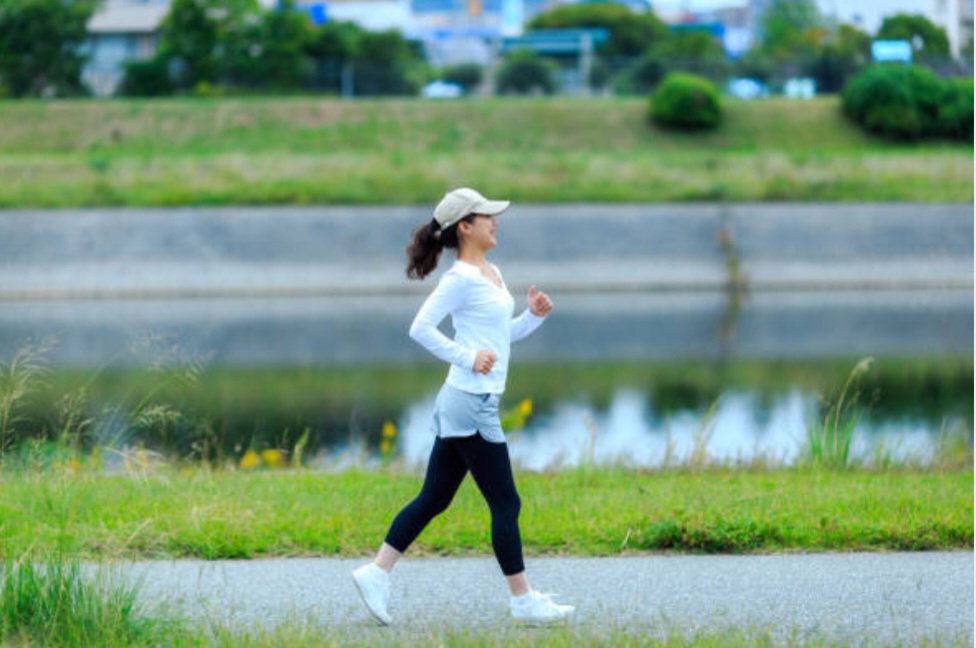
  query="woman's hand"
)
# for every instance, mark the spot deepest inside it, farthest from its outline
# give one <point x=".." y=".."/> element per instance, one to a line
<point x="483" y="362"/>
<point x="539" y="303"/>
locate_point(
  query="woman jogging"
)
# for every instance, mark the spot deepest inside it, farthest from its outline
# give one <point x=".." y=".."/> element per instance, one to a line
<point x="466" y="421"/>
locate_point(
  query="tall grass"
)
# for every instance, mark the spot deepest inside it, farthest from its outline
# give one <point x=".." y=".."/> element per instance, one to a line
<point x="51" y="604"/>
<point x="829" y="439"/>
<point x="21" y="377"/>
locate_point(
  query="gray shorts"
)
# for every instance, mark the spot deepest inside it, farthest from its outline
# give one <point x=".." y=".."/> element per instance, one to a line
<point x="459" y="414"/>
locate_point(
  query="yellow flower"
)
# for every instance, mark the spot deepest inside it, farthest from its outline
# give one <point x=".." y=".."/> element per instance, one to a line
<point x="250" y="460"/>
<point x="389" y="430"/>
<point x="525" y="408"/>
<point x="273" y="458"/>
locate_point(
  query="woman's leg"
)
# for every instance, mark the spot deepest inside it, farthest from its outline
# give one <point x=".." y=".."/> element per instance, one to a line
<point x="491" y="469"/>
<point x="445" y="472"/>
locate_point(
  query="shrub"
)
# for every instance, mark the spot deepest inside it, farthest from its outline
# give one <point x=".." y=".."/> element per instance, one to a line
<point x="686" y="102"/>
<point x="466" y="75"/>
<point x="955" y="115"/>
<point x="907" y="102"/>
<point x="642" y="76"/>
<point x="148" y="78"/>
<point x="525" y="73"/>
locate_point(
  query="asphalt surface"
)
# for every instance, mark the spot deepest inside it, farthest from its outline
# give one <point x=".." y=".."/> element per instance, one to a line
<point x="855" y="598"/>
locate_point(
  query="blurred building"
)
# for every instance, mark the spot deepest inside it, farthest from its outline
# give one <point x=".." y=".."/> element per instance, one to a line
<point x="120" y="31"/>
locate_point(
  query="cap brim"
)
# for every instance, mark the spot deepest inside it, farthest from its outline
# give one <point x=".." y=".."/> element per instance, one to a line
<point x="492" y="207"/>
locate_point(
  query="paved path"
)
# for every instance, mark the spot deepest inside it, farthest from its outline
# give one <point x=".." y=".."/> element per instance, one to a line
<point x="882" y="598"/>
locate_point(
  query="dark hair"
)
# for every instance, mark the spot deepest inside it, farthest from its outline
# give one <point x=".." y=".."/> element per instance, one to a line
<point x="426" y="244"/>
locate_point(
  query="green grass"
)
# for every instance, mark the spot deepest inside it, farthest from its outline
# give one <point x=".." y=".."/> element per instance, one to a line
<point x="406" y="151"/>
<point x="51" y="604"/>
<point x="156" y="512"/>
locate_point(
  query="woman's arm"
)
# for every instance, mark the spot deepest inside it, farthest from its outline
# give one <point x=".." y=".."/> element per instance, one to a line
<point x="532" y="317"/>
<point x="447" y="296"/>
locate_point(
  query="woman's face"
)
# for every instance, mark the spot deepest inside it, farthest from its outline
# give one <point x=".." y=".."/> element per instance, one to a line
<point x="480" y="232"/>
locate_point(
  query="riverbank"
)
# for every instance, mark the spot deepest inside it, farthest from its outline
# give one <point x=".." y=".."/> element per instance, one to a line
<point x="322" y="151"/>
<point x="150" y="508"/>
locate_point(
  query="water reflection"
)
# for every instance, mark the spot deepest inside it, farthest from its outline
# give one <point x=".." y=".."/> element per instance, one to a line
<point x="739" y="430"/>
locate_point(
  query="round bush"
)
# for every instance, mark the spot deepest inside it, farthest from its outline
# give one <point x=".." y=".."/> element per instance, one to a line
<point x="686" y="102"/>
<point x="907" y="102"/>
<point x="955" y="118"/>
<point x="525" y="73"/>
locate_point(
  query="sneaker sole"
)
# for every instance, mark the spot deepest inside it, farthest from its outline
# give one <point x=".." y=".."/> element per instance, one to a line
<point x="369" y="607"/>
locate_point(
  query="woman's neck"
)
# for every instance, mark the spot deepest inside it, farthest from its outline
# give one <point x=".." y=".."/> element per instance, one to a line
<point x="473" y="256"/>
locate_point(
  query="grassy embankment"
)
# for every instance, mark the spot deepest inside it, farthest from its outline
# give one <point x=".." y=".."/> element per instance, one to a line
<point x="329" y="151"/>
<point x="157" y="512"/>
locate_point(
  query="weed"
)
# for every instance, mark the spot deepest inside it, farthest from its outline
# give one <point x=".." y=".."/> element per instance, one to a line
<point x="829" y="439"/>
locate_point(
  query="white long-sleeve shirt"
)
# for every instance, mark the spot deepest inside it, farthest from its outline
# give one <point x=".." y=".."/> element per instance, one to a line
<point x="482" y="315"/>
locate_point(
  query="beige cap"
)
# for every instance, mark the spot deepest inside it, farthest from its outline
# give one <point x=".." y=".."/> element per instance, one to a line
<point x="458" y="203"/>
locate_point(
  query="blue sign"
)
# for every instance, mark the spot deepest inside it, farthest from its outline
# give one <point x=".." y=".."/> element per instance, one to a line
<point x="316" y="11"/>
<point x="899" y="51"/>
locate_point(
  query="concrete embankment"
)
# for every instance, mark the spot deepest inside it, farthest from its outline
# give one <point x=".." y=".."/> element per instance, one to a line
<point x="355" y="250"/>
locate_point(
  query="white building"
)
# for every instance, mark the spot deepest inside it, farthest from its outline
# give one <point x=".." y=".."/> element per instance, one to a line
<point x="120" y="31"/>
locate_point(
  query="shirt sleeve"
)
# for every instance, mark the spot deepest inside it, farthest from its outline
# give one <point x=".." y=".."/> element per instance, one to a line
<point x="446" y="297"/>
<point x="524" y="324"/>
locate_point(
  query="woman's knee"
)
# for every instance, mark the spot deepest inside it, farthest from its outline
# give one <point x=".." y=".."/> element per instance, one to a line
<point x="506" y="507"/>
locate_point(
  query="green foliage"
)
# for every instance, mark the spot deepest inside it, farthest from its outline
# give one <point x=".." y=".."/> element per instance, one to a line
<point x="52" y="604"/>
<point x="40" y="44"/>
<point x="630" y="33"/>
<point x="466" y="75"/>
<point x="902" y="102"/>
<point x="928" y="40"/>
<point x="791" y="29"/>
<point x="695" y="51"/>
<point x="642" y="76"/>
<point x="188" y="41"/>
<point x="387" y="64"/>
<point x="525" y="72"/>
<point x="955" y="112"/>
<point x="845" y="54"/>
<point x="271" y="54"/>
<point x="149" y="78"/>
<point x="686" y="102"/>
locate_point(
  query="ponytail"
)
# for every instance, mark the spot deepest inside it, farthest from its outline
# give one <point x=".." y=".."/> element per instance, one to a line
<point x="426" y="244"/>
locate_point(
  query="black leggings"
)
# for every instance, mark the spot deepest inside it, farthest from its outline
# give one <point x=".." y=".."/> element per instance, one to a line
<point x="450" y="461"/>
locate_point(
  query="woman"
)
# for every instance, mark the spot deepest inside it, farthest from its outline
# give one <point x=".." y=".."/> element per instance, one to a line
<point x="466" y="422"/>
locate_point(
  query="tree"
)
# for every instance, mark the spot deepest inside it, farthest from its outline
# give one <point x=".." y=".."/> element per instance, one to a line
<point x="268" y="51"/>
<point x="695" y="51"/>
<point x="332" y="47"/>
<point x="792" y="30"/>
<point x="387" y="64"/>
<point x="188" y="42"/>
<point x="845" y="54"/>
<point x="204" y="40"/>
<point x="630" y="34"/>
<point x="526" y="72"/>
<point x="40" y="45"/>
<point x="929" y="41"/>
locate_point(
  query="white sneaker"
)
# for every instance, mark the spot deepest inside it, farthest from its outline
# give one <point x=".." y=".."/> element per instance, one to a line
<point x="537" y="608"/>
<point x="373" y="585"/>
